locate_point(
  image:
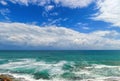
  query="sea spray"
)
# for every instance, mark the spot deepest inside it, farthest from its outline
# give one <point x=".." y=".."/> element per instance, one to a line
<point x="71" y="67"/>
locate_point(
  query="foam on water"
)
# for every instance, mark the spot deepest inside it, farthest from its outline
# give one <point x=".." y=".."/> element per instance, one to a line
<point x="33" y="70"/>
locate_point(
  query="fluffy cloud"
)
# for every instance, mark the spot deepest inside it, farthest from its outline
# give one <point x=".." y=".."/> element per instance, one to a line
<point x="74" y="3"/>
<point x="27" y="2"/>
<point x="65" y="3"/>
<point x="31" y="36"/>
<point x="108" y="11"/>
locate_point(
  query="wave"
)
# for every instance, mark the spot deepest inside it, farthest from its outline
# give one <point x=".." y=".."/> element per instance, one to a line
<point x="39" y="70"/>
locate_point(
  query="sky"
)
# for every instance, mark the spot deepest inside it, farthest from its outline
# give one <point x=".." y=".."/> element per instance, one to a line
<point x="59" y="24"/>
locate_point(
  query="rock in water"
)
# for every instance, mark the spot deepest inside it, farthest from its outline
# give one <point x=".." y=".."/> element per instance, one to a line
<point x="6" y="77"/>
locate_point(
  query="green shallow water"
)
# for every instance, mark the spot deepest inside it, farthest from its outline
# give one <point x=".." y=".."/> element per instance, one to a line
<point x="64" y="65"/>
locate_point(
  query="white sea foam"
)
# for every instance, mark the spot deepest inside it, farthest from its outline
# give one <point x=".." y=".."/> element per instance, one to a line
<point x="102" y="66"/>
<point x="29" y="78"/>
<point x="95" y="72"/>
<point x="54" y="68"/>
<point x="27" y="64"/>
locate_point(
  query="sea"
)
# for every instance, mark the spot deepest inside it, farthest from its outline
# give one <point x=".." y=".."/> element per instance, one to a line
<point x="67" y="65"/>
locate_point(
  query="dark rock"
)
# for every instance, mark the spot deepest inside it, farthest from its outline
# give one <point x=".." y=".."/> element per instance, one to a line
<point x="1" y="79"/>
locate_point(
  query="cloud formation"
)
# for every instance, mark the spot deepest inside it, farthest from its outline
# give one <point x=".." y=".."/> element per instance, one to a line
<point x="108" y="11"/>
<point x="31" y="36"/>
<point x="65" y="3"/>
<point x="49" y="7"/>
<point x="4" y="13"/>
<point x="3" y="2"/>
<point x="74" y="3"/>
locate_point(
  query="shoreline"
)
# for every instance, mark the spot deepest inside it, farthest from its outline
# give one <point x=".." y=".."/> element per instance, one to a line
<point x="9" y="77"/>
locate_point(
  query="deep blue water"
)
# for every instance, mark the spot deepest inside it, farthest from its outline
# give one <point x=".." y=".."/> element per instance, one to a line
<point x="61" y="65"/>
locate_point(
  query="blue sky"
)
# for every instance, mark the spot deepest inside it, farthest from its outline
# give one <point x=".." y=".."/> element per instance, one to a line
<point x="59" y="24"/>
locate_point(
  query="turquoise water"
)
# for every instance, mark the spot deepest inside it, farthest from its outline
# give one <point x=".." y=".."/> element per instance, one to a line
<point x="61" y="65"/>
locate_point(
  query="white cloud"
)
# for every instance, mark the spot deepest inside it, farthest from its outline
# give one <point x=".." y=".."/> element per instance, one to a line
<point x="49" y="7"/>
<point x="20" y="34"/>
<point x="33" y="2"/>
<point x="3" y="2"/>
<point x="21" y="2"/>
<point x="74" y="3"/>
<point x="65" y="3"/>
<point x="80" y="25"/>
<point x="108" y="11"/>
<point x="4" y="12"/>
<point x="107" y="34"/>
<point x="54" y="22"/>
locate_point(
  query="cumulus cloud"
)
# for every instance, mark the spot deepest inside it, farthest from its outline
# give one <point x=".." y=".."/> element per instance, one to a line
<point x="65" y="3"/>
<point x="108" y="11"/>
<point x="107" y="34"/>
<point x="31" y="36"/>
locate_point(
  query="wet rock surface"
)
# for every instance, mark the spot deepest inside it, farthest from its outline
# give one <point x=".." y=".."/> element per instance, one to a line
<point x="6" y="77"/>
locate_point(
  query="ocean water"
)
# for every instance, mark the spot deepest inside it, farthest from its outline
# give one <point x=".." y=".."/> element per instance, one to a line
<point x="61" y="65"/>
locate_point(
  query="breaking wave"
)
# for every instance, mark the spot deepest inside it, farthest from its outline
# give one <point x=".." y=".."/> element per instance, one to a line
<point x="39" y="70"/>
